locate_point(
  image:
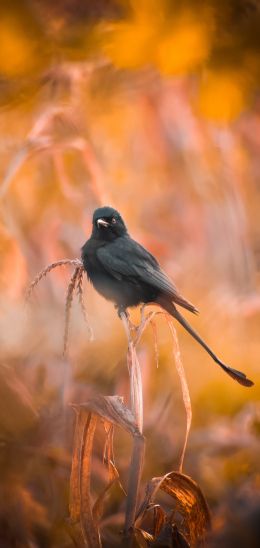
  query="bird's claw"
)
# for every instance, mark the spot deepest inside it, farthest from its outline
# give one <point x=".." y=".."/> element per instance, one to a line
<point x="122" y="311"/>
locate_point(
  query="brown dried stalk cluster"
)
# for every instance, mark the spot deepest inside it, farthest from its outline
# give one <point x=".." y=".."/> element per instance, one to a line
<point x="75" y="284"/>
<point x="147" y="523"/>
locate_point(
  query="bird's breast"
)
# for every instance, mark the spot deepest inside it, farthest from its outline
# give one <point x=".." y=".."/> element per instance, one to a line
<point x="124" y="290"/>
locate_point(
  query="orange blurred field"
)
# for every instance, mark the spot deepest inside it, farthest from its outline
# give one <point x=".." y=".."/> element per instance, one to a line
<point x="153" y="108"/>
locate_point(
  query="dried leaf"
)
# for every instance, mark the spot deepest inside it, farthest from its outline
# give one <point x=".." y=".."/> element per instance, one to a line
<point x="89" y="524"/>
<point x="111" y="408"/>
<point x="190" y="503"/>
<point x="80" y="498"/>
<point x="74" y="504"/>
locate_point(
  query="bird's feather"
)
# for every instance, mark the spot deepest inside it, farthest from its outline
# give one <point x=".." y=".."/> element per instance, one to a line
<point x="125" y="257"/>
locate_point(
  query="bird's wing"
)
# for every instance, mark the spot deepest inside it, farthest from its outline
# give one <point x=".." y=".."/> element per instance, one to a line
<point x="126" y="258"/>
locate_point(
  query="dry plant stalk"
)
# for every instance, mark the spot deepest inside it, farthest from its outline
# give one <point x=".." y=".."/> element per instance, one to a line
<point x="85" y="517"/>
<point x="75" y="283"/>
<point x="47" y="269"/>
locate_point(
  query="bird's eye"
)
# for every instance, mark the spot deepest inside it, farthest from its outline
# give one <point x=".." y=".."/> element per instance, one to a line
<point x="113" y="220"/>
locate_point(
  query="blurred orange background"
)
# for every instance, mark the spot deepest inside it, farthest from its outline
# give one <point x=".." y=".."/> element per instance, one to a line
<point x="151" y="107"/>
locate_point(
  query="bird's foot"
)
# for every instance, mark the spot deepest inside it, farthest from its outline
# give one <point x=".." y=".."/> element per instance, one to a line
<point x="121" y="310"/>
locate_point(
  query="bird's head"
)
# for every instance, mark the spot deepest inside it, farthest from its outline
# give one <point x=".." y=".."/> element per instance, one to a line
<point x="108" y="224"/>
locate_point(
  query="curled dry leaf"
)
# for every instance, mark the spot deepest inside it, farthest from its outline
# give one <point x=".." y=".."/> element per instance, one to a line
<point x="189" y="502"/>
<point x="80" y="496"/>
<point x="113" y="411"/>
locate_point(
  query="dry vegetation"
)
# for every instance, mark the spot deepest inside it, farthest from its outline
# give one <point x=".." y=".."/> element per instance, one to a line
<point x="152" y="107"/>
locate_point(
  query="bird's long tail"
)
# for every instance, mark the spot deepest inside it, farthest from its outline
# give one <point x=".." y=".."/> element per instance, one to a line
<point x="236" y="375"/>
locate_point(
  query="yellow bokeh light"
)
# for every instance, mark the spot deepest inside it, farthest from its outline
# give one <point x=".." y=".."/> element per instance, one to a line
<point x="130" y="45"/>
<point x="16" y="52"/>
<point x="222" y="96"/>
<point x="185" y="47"/>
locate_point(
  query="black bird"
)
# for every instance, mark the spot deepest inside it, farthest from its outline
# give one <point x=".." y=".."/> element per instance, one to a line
<point x="124" y="272"/>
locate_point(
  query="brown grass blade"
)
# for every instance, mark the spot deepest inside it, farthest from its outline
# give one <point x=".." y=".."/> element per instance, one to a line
<point x="145" y="320"/>
<point x="89" y="524"/>
<point x="74" y="503"/>
<point x="184" y="387"/>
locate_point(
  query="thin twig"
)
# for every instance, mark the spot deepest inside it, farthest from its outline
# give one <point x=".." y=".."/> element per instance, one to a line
<point x="82" y="305"/>
<point x="69" y="299"/>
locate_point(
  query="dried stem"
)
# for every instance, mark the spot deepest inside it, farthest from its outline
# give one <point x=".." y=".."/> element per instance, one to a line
<point x="47" y="269"/>
<point x="82" y="305"/>
<point x="135" y="473"/>
<point x="136" y="389"/>
<point x="69" y="299"/>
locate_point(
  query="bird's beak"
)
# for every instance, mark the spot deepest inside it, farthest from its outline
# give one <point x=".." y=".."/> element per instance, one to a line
<point x="102" y="222"/>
